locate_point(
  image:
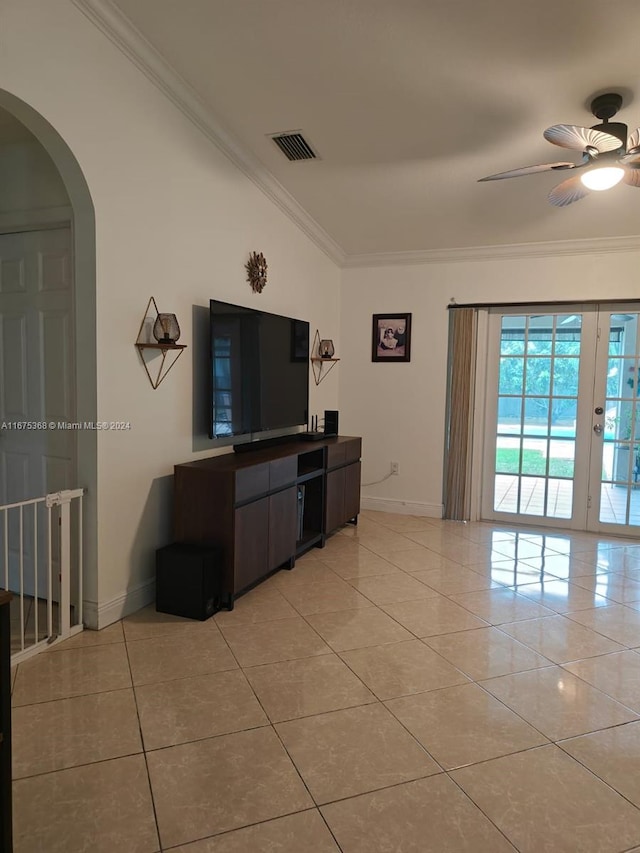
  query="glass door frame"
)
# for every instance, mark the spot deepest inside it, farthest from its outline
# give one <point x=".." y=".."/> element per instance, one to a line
<point x="583" y="463"/>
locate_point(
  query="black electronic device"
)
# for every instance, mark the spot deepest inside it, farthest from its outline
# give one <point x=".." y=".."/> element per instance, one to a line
<point x="330" y="422"/>
<point x="259" y="372"/>
<point x="312" y="435"/>
<point x="188" y="580"/>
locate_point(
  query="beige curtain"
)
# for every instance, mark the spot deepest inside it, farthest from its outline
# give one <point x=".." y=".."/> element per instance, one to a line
<point x="459" y="428"/>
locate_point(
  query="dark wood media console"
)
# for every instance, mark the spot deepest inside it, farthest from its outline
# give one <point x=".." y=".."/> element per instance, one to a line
<point x="267" y="506"/>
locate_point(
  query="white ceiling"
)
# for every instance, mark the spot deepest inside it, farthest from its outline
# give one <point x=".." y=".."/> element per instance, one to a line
<point x="408" y="103"/>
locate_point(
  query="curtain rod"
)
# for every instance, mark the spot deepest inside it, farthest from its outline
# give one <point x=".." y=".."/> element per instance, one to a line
<point x="546" y="302"/>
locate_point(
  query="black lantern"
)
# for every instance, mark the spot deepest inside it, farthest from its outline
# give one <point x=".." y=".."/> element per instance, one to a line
<point x="327" y="349"/>
<point x="166" y="329"/>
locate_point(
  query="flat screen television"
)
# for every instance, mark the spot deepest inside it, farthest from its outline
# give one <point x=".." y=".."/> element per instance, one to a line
<point x="259" y="371"/>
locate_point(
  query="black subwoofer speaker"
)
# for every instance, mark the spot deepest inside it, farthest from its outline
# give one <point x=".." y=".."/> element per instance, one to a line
<point x="188" y="580"/>
<point x="330" y="422"/>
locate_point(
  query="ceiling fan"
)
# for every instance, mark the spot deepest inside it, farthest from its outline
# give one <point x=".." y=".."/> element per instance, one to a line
<point x="608" y="157"/>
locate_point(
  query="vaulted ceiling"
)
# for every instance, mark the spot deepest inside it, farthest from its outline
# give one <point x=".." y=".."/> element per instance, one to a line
<point x="408" y="103"/>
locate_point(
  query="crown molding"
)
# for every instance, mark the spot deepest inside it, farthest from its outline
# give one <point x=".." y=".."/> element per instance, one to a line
<point x="117" y="27"/>
<point x="556" y="248"/>
<point x="123" y="34"/>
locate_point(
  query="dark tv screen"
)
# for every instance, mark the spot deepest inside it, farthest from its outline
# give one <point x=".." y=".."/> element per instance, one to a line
<point x="259" y="371"/>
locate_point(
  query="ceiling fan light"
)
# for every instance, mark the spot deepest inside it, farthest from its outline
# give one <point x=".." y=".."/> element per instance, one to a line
<point x="602" y="177"/>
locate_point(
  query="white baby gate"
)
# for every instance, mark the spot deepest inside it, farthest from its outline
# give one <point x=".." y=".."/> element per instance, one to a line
<point x="41" y="564"/>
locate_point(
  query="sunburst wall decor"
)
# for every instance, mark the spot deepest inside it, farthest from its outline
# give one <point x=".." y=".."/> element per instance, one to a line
<point x="256" y="268"/>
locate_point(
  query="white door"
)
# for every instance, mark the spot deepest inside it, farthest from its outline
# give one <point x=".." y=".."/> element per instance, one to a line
<point x="562" y="435"/>
<point x="37" y="384"/>
<point x="614" y="503"/>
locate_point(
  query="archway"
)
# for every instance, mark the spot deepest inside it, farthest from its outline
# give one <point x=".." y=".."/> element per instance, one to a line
<point x="84" y="272"/>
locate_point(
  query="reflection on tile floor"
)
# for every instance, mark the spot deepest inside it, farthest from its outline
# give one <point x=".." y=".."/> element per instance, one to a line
<point x="417" y="685"/>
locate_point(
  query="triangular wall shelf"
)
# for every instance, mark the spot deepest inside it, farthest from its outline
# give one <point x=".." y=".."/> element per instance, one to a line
<point x="318" y="363"/>
<point x="148" y="346"/>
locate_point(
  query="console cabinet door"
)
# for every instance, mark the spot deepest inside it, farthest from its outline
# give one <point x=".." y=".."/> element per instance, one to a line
<point x="334" y="516"/>
<point x="283" y="517"/>
<point x="351" y="491"/>
<point x="251" y="543"/>
<point x="352" y="450"/>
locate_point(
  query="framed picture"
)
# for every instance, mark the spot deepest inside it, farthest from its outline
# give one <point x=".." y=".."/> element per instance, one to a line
<point x="391" y="337"/>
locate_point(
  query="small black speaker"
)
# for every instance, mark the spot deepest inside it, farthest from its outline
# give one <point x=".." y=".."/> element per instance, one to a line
<point x="330" y="422"/>
<point x="188" y="580"/>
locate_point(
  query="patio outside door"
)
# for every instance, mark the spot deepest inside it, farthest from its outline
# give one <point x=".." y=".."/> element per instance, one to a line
<point x="562" y="435"/>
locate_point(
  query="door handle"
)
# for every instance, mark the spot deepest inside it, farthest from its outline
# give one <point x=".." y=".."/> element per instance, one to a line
<point x="597" y="428"/>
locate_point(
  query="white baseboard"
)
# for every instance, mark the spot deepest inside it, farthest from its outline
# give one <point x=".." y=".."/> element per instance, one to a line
<point x="402" y="507"/>
<point x="98" y="616"/>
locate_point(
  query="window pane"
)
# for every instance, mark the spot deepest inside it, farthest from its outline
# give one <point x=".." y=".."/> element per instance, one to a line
<point x="512" y="335"/>
<point x="538" y="379"/>
<point x="559" y="498"/>
<point x="511" y="373"/>
<point x="532" y="495"/>
<point x="534" y="456"/>
<point x="509" y="411"/>
<point x="539" y="343"/>
<point x="505" y="493"/>
<point x="536" y="415"/>
<point x="564" y="413"/>
<point x="565" y="377"/>
<point x="562" y="458"/>
<point x="508" y="456"/>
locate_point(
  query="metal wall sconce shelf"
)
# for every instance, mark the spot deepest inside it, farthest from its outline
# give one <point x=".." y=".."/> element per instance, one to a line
<point x="144" y="345"/>
<point x="318" y="362"/>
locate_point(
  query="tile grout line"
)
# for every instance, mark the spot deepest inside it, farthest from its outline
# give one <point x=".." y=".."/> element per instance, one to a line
<point x="142" y="744"/>
<point x="272" y="727"/>
<point x="376" y="700"/>
<point x="590" y="770"/>
<point x="276" y="733"/>
<point x="313" y="808"/>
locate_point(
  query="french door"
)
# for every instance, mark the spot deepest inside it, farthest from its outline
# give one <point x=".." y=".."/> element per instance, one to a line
<point x="562" y="431"/>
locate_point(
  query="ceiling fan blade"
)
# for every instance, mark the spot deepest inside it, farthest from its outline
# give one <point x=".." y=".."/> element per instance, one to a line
<point x="530" y="170"/>
<point x="568" y="191"/>
<point x="579" y="138"/>
<point x="632" y="159"/>
<point x="633" y="143"/>
<point x="631" y="177"/>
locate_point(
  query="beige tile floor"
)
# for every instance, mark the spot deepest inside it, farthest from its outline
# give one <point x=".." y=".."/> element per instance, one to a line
<point x="416" y="686"/>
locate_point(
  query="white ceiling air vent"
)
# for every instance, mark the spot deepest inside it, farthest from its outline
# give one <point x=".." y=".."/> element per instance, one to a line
<point x="294" y="146"/>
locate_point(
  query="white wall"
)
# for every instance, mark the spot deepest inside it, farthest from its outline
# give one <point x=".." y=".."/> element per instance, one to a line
<point x="399" y="408"/>
<point x="174" y="219"/>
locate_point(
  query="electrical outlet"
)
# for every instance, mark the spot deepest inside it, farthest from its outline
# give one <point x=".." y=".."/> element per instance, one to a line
<point x="394" y="467"/>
